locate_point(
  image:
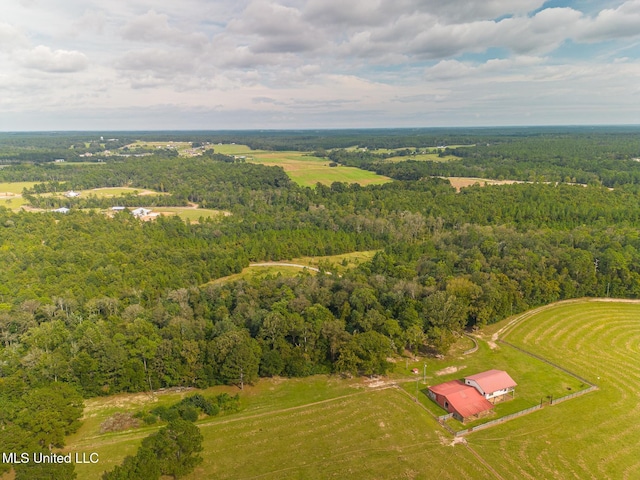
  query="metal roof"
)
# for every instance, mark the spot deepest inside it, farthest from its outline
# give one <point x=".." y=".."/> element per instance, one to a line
<point x="464" y="399"/>
<point x="493" y="380"/>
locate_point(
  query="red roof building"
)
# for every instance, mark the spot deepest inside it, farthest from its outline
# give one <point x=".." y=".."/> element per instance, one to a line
<point x="492" y="384"/>
<point x="463" y="401"/>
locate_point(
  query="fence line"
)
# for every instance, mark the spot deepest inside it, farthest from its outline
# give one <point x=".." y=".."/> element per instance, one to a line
<point x="569" y="372"/>
<point x="524" y="412"/>
<point x="499" y="420"/>
<point x="574" y="395"/>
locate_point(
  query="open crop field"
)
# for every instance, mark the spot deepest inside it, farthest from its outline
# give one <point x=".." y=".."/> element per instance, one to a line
<point x="328" y="427"/>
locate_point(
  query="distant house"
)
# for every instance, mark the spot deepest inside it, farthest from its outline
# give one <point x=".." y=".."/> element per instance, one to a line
<point x="140" y="212"/>
<point x="118" y="208"/>
<point x="463" y="401"/>
<point x="475" y="396"/>
<point x="71" y="194"/>
<point x="61" y="210"/>
<point x="59" y="160"/>
<point x="494" y="385"/>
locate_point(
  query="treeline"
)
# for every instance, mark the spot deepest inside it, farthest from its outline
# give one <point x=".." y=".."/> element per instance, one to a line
<point x="35" y="420"/>
<point x="605" y="159"/>
<point x="416" y="295"/>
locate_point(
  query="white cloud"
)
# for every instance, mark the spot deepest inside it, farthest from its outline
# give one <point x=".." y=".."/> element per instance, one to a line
<point x="54" y="61"/>
<point x="269" y="27"/>
<point x="11" y="38"/>
<point x="320" y="61"/>
<point x="153" y="27"/>
<point x="620" y="22"/>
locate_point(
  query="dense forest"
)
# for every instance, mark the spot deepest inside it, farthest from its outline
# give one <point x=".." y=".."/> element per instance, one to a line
<point x="99" y="305"/>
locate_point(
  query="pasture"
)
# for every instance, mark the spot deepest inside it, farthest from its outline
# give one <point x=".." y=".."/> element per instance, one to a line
<point x="233" y="149"/>
<point x="321" y="427"/>
<point x="594" y="436"/>
<point x="11" y="194"/>
<point x="307" y="170"/>
<point x="304" y="169"/>
<point x="313" y="428"/>
<point x="7" y="188"/>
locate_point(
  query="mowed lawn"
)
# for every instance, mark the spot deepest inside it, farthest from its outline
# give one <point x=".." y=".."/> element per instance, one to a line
<point x="314" y="428"/>
<point x="593" y="436"/>
<point x="370" y="434"/>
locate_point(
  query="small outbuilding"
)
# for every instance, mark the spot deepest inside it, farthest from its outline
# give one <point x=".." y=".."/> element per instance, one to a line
<point x="494" y="385"/>
<point x="463" y="401"/>
<point x="474" y="396"/>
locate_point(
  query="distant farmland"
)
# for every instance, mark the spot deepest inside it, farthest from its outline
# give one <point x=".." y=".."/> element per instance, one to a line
<point x="302" y="168"/>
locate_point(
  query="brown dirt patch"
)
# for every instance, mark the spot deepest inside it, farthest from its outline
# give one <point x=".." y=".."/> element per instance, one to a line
<point x="462" y="182"/>
<point x="449" y="370"/>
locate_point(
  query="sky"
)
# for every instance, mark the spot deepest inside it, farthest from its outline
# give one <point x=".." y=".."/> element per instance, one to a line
<point x="316" y="64"/>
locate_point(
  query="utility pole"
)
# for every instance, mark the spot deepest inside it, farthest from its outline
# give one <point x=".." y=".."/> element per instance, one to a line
<point x="424" y="374"/>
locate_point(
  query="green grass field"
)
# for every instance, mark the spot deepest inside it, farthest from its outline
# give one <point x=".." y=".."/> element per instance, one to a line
<point x="307" y="170"/>
<point x="14" y="187"/>
<point x="322" y="427"/>
<point x="333" y="263"/>
<point x="11" y="194"/>
<point x="535" y="380"/>
<point x="232" y="149"/>
<point x="594" y="436"/>
<point x="302" y="168"/>
<point x="312" y="428"/>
